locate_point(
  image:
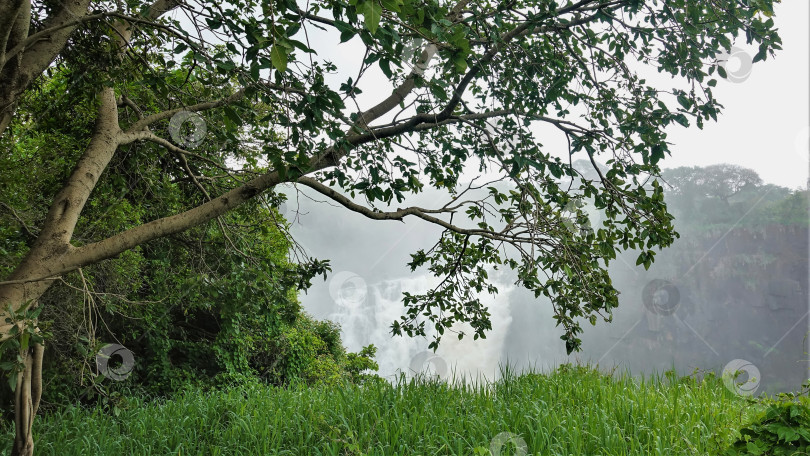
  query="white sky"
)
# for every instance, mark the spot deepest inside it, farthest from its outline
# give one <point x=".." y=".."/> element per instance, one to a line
<point x="765" y="122"/>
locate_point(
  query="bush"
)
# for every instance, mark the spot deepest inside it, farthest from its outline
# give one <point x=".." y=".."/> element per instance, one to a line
<point x="781" y="429"/>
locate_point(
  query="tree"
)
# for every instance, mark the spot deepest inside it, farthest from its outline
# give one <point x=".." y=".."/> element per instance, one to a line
<point x="470" y="82"/>
<point x="721" y="181"/>
<point x="724" y="193"/>
<point x="209" y="306"/>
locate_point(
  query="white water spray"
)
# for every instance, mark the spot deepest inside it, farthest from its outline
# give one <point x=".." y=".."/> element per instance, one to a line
<point x="365" y="313"/>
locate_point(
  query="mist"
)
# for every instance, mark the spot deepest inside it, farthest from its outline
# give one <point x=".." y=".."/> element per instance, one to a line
<point x="732" y="292"/>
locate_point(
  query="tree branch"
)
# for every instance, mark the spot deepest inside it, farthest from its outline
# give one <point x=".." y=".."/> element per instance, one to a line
<point x="315" y="18"/>
<point x="399" y="214"/>
<point x="400" y="93"/>
<point x="69" y="202"/>
<point x="19" y="220"/>
<point x="149" y="120"/>
<point x="14" y="21"/>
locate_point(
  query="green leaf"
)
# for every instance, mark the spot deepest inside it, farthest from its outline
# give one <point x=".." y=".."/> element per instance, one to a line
<point x="24" y="341"/>
<point x="303" y="47"/>
<point x="233" y="115"/>
<point x="279" y="58"/>
<point x="761" y="55"/>
<point x="393" y="5"/>
<point x="460" y="63"/>
<point x="681" y="119"/>
<point x="754" y="449"/>
<point x="684" y="101"/>
<point x="385" y="66"/>
<point x="372" y="12"/>
<point x="346" y="35"/>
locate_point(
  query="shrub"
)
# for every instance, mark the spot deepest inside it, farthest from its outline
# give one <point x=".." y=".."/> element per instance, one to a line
<point x="781" y="429"/>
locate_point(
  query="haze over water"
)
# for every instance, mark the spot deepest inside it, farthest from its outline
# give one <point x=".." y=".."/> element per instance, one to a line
<point x="732" y="288"/>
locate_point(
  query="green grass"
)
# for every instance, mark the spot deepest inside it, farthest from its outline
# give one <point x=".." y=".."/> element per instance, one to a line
<point x="572" y="411"/>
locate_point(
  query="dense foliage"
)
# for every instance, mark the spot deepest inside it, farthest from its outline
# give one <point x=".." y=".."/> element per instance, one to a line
<point x="210" y="306"/>
<point x="477" y="85"/>
<point x="781" y="428"/>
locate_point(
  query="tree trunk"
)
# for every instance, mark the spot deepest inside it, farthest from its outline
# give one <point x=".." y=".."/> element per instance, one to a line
<point x="26" y="399"/>
<point x="23" y="288"/>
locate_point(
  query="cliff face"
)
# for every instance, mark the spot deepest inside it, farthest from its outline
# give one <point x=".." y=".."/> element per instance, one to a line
<point x="738" y="293"/>
<point x="734" y="286"/>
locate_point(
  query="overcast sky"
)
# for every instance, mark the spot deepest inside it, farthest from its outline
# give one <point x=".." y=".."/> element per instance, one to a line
<point x="765" y="123"/>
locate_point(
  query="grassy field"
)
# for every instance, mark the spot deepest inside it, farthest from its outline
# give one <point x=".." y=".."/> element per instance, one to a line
<point x="572" y="411"/>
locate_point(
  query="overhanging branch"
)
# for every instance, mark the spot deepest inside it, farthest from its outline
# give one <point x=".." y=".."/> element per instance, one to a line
<point x="400" y="214"/>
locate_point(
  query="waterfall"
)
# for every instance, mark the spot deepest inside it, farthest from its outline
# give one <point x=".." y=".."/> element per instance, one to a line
<point x="365" y="313"/>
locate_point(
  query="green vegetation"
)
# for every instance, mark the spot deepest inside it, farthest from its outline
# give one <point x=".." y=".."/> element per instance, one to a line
<point x="213" y="305"/>
<point x="572" y="411"/>
<point x="782" y="427"/>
